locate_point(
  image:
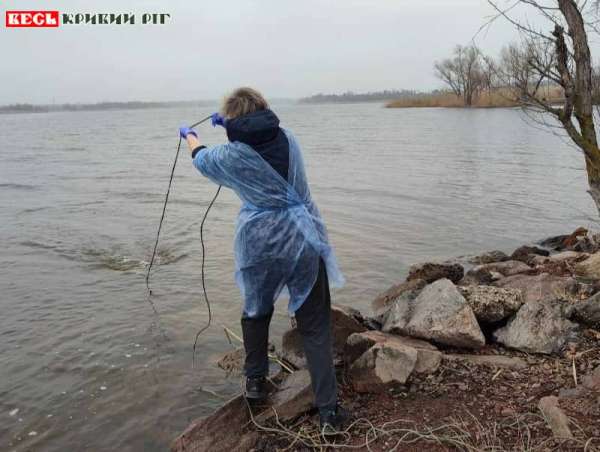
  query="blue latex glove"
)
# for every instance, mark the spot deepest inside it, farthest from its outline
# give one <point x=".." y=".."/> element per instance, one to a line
<point x="218" y="120"/>
<point x="184" y="131"/>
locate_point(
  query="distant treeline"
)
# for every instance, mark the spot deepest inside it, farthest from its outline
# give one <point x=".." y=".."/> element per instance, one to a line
<point x="30" y="108"/>
<point x="377" y="96"/>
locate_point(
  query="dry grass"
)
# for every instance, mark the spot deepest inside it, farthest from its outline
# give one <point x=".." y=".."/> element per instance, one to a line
<point x="502" y="98"/>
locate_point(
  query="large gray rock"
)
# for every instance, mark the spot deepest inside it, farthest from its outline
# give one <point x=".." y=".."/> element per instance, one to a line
<point x="588" y="311"/>
<point x="432" y="271"/>
<point x="508" y="268"/>
<point x="524" y="253"/>
<point x="590" y="267"/>
<point x="222" y="431"/>
<point x="292" y="397"/>
<point x="429" y="357"/>
<point x="536" y="328"/>
<point x="492" y="304"/>
<point x="382" y="367"/>
<point x="387" y="298"/>
<point x="556" y="417"/>
<point x="539" y="287"/>
<point x="344" y="322"/>
<point x="439" y="314"/>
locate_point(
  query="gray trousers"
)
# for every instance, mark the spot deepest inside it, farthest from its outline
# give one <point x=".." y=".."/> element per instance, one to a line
<point x="314" y="325"/>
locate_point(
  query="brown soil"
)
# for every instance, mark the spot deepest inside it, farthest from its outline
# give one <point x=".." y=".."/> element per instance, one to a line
<point x="487" y="409"/>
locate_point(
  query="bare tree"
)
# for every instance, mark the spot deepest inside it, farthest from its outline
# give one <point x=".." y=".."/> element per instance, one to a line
<point x="562" y="58"/>
<point x="463" y="74"/>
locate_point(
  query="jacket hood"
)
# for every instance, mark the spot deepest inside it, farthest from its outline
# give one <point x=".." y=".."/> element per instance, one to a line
<point x="254" y="128"/>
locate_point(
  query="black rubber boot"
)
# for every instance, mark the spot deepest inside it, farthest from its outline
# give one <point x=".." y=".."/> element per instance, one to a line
<point x="332" y="421"/>
<point x="255" y="387"/>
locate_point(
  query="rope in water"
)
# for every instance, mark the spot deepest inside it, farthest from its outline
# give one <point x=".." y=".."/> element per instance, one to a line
<point x="201" y="240"/>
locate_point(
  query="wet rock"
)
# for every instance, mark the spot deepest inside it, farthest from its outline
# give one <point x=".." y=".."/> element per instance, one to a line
<point x="492" y="304"/>
<point x="489" y="258"/>
<point x="432" y="271"/>
<point x="387" y="298"/>
<point x="233" y="362"/>
<point x="572" y="240"/>
<point x="428" y="356"/>
<point x="553" y="242"/>
<point x="344" y="322"/>
<point x="382" y="367"/>
<point x="588" y="311"/>
<point x="562" y="242"/>
<point x="524" y="253"/>
<point x="539" y="287"/>
<point x="222" y="431"/>
<point x="592" y="380"/>
<point x="555" y="417"/>
<point x="536" y="328"/>
<point x="372" y="323"/>
<point x="439" y="314"/>
<point x="292" y="397"/>
<point x="497" y="361"/>
<point x="590" y="267"/>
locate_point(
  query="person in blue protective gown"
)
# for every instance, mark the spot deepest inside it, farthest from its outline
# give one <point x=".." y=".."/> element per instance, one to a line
<point x="281" y="244"/>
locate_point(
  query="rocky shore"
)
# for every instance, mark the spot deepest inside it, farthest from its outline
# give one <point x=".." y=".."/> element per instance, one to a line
<point x="488" y="352"/>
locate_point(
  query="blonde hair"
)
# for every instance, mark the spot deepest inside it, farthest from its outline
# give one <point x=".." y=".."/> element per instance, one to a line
<point x="242" y="102"/>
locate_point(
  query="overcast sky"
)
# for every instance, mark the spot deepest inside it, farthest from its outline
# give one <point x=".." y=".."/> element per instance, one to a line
<point x="285" y="48"/>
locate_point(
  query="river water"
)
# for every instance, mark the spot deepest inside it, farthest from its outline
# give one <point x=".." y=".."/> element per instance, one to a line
<point x="84" y="357"/>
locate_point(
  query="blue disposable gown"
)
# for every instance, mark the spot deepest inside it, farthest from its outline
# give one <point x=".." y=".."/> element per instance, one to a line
<point x="280" y="233"/>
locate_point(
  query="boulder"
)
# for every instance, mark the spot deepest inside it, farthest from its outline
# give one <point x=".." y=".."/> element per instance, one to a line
<point x="539" y="287"/>
<point x="555" y="417"/>
<point x="406" y="297"/>
<point x="554" y="242"/>
<point x="481" y="277"/>
<point x="291" y="397"/>
<point x="439" y="314"/>
<point x="222" y="431"/>
<point x="382" y="367"/>
<point x="428" y="357"/>
<point x="508" y="268"/>
<point x="489" y="258"/>
<point x="536" y="328"/>
<point x="588" y="311"/>
<point x="572" y="240"/>
<point x="496" y="361"/>
<point x="590" y="267"/>
<point x="344" y="322"/>
<point x="562" y="242"/>
<point x="492" y="304"/>
<point x="386" y="299"/>
<point x="524" y="253"/>
<point x="432" y="271"/>
<point x="592" y="380"/>
<point x="568" y="256"/>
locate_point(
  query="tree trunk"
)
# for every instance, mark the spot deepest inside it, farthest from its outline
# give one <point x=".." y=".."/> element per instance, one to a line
<point x="579" y="92"/>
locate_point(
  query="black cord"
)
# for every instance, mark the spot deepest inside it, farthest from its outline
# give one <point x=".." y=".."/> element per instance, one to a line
<point x="201" y="241"/>
<point x="165" y="208"/>
<point x="203" y="283"/>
